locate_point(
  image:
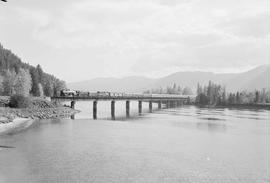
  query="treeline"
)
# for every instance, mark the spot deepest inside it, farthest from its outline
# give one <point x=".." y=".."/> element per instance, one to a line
<point x="18" y="78"/>
<point x="215" y="94"/>
<point x="174" y="89"/>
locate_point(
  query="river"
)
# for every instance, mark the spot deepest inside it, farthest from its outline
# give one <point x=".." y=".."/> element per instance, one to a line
<point x="185" y="144"/>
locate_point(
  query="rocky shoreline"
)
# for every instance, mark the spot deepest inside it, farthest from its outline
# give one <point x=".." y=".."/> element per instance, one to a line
<point x="7" y="115"/>
<point x="13" y="120"/>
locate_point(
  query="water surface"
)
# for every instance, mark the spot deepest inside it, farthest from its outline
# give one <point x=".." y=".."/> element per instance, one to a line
<point x="186" y="144"/>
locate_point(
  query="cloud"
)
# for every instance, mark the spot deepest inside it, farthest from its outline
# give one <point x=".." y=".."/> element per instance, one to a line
<point x="149" y="36"/>
<point x="251" y="26"/>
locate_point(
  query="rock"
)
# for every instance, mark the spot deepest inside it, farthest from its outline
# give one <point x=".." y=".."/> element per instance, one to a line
<point x="4" y="120"/>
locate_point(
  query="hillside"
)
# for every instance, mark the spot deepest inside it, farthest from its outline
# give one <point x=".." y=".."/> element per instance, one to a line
<point x="39" y="81"/>
<point x="256" y="78"/>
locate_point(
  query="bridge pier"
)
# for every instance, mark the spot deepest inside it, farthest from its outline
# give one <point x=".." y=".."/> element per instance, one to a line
<point x="113" y="109"/>
<point x="188" y="101"/>
<point x="172" y="104"/>
<point x="127" y="108"/>
<point x="140" y="106"/>
<point x="95" y="109"/>
<point x="150" y="106"/>
<point x="167" y="104"/>
<point x="72" y="104"/>
<point x="72" y="116"/>
<point x="175" y="104"/>
<point x="159" y="104"/>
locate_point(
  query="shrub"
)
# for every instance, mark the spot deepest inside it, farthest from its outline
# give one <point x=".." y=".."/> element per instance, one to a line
<point x="19" y="101"/>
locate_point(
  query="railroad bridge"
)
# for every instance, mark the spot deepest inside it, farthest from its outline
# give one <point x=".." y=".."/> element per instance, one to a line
<point x="168" y="100"/>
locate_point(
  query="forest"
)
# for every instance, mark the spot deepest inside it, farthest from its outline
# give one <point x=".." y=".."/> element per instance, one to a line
<point x="19" y="78"/>
<point x="215" y="94"/>
<point x="174" y="89"/>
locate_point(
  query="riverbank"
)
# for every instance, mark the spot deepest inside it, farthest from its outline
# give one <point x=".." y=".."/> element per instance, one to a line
<point x="239" y="106"/>
<point x="16" y="119"/>
<point x="16" y="125"/>
<point x="12" y="119"/>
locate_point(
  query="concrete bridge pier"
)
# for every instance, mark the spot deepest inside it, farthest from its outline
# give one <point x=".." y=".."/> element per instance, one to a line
<point x="175" y="104"/>
<point x="159" y="104"/>
<point x="113" y="109"/>
<point x="188" y="101"/>
<point x="127" y="108"/>
<point x="150" y="106"/>
<point x="95" y="109"/>
<point x="72" y="104"/>
<point x="72" y="116"/>
<point x="172" y="104"/>
<point x="140" y="106"/>
<point x="167" y="104"/>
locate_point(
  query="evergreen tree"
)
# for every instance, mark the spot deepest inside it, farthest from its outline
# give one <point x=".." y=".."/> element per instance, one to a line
<point x="40" y="74"/>
<point x="1" y="84"/>
<point x="48" y="88"/>
<point x="257" y="96"/>
<point x="35" y="82"/>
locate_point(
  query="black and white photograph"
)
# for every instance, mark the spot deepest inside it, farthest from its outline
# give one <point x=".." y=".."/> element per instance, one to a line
<point x="135" y="91"/>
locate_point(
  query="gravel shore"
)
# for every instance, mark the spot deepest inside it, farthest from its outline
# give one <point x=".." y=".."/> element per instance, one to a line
<point x="8" y="114"/>
<point x="15" y="119"/>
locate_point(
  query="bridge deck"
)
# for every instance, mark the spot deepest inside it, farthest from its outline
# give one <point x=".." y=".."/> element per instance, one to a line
<point x="131" y="97"/>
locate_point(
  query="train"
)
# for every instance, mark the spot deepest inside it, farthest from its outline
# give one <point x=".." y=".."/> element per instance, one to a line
<point x="77" y="93"/>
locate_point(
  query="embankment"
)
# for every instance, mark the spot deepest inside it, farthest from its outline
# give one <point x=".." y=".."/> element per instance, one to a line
<point x="14" y="119"/>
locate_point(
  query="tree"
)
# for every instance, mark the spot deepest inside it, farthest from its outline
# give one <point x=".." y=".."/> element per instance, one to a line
<point x="10" y="65"/>
<point x="223" y="95"/>
<point x="199" y="89"/>
<point x="48" y="87"/>
<point x="202" y="99"/>
<point x="35" y="82"/>
<point x="40" y="90"/>
<point x="23" y="82"/>
<point x="179" y="90"/>
<point x="1" y="84"/>
<point x="9" y="82"/>
<point x="58" y="86"/>
<point x="40" y="74"/>
<point x="257" y="96"/>
<point x="187" y="91"/>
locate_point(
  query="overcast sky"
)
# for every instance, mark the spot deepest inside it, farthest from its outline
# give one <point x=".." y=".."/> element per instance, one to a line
<point x="82" y="39"/>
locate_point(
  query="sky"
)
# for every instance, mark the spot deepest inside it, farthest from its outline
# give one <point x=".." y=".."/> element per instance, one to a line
<point x="82" y="39"/>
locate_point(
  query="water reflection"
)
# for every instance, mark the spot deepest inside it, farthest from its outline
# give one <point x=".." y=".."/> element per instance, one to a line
<point x="211" y="126"/>
<point x="212" y="119"/>
<point x="72" y="116"/>
<point x="8" y="147"/>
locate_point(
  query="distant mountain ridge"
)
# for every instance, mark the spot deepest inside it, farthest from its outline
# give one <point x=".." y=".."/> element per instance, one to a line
<point x="256" y="78"/>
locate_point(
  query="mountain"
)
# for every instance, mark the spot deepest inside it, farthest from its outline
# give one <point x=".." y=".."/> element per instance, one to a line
<point x="191" y="79"/>
<point x="256" y="78"/>
<point x="128" y="84"/>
